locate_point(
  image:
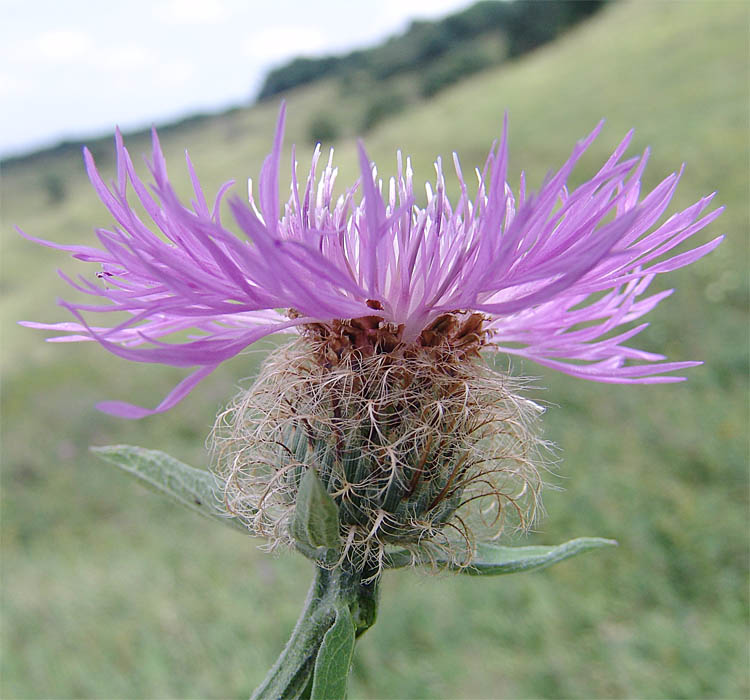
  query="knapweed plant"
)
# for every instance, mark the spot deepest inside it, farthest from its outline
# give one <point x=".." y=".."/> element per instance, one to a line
<point x="379" y="437"/>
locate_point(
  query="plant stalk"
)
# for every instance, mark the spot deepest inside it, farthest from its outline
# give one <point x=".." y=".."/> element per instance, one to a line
<point x="292" y="676"/>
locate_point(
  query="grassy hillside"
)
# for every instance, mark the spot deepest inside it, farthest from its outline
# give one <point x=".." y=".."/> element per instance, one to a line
<point x="109" y="592"/>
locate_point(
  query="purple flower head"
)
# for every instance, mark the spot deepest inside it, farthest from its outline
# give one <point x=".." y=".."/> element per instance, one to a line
<point x="559" y="276"/>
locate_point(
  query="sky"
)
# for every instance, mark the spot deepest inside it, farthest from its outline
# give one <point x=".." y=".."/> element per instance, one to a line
<point x="76" y="68"/>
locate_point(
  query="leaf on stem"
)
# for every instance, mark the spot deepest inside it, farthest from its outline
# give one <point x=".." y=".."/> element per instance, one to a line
<point x="334" y="658"/>
<point x="192" y="488"/>
<point x="496" y="560"/>
<point x="316" y="517"/>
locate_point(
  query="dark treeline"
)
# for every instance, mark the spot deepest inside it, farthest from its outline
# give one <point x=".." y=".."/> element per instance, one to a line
<point x="445" y="50"/>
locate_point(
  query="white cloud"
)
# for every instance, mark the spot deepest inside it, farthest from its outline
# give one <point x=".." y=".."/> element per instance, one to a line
<point x="54" y="45"/>
<point x="126" y="57"/>
<point x="192" y="11"/>
<point x="283" y="41"/>
<point x="11" y="87"/>
<point x="175" y="73"/>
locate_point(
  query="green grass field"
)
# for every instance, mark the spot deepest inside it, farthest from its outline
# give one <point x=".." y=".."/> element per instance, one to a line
<point x="107" y="591"/>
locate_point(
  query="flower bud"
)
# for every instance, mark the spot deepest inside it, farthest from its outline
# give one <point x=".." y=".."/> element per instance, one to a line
<point x="421" y="446"/>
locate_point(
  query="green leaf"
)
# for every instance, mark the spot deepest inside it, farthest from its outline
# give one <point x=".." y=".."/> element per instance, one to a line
<point x="316" y="517"/>
<point x="494" y="560"/>
<point x="334" y="658"/>
<point x="195" y="489"/>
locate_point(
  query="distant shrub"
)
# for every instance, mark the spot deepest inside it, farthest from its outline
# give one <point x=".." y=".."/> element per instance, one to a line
<point x="451" y="69"/>
<point x="299" y="71"/>
<point x="322" y="129"/>
<point x="530" y="24"/>
<point x="54" y="185"/>
<point x="382" y="106"/>
<point x="423" y="42"/>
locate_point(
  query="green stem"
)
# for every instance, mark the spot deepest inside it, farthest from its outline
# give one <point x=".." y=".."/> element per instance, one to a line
<point x="292" y="674"/>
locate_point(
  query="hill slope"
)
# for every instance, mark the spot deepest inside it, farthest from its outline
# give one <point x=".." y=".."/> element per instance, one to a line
<point x="137" y="599"/>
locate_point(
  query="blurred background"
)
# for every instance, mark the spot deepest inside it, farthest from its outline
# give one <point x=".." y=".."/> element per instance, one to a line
<point x="108" y="591"/>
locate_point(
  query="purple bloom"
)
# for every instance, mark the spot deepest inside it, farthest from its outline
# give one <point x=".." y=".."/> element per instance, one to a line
<point x="558" y="275"/>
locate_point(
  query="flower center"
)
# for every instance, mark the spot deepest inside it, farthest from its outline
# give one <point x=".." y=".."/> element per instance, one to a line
<point x="450" y="337"/>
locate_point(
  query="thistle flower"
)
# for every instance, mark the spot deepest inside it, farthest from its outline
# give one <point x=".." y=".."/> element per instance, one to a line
<point x="383" y="393"/>
<point x="534" y="266"/>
